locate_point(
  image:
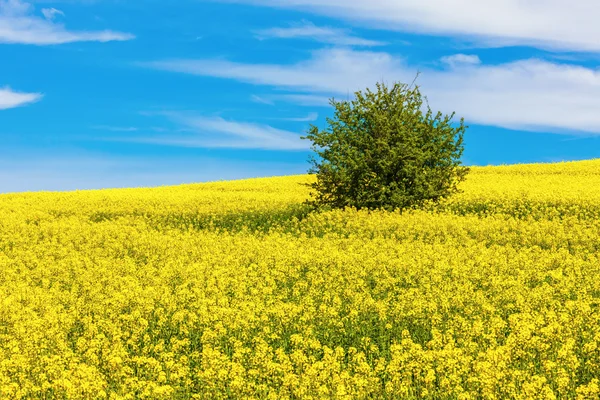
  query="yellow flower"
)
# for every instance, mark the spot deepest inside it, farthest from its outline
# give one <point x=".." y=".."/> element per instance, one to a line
<point x="234" y="290"/>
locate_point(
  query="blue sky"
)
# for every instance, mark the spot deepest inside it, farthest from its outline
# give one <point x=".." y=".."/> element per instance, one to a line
<point x="111" y="93"/>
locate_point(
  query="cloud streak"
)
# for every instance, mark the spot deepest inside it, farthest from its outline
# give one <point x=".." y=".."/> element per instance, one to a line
<point x="20" y="25"/>
<point x="217" y="132"/>
<point x="527" y="94"/>
<point x="12" y="99"/>
<point x="115" y="128"/>
<point x="457" y="59"/>
<point x="307" y="30"/>
<point x="549" y="24"/>
<point x="67" y="171"/>
<point x="51" y="13"/>
<point x="261" y="100"/>
<point x="307" y="100"/>
<point x="311" y="117"/>
<point x="329" y="70"/>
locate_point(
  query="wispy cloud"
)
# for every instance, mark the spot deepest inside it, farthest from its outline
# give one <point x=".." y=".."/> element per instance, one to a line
<point x="308" y="30"/>
<point x="311" y="117"/>
<point x="458" y="59"/>
<point x="23" y="171"/>
<point x="528" y="94"/>
<point x="12" y="99"/>
<point x="115" y="128"/>
<point x="51" y="13"/>
<point x="549" y="24"/>
<point x="217" y="132"/>
<point x="261" y="100"/>
<point x="329" y="70"/>
<point x="300" y="99"/>
<point x="309" y="100"/>
<point x="19" y="24"/>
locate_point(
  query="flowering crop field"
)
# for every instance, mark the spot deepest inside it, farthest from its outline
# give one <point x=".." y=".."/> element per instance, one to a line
<point x="234" y="290"/>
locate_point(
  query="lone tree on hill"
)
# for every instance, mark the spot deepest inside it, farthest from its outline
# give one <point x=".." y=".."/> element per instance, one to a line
<point x="382" y="151"/>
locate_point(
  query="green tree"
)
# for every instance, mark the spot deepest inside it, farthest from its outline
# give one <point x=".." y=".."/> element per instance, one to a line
<point x="381" y="150"/>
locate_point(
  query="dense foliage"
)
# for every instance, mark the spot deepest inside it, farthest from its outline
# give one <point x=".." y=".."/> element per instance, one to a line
<point x="232" y="290"/>
<point x="381" y="150"/>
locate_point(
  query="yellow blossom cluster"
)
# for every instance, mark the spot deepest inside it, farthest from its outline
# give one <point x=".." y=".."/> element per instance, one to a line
<point x="232" y="290"/>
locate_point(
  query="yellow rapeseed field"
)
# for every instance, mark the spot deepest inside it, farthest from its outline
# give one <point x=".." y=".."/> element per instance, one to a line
<point x="232" y="290"/>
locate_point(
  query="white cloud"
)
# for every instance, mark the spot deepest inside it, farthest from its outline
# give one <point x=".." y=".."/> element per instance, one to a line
<point x="51" y="13"/>
<point x="308" y="100"/>
<point x="31" y="170"/>
<point x="19" y="24"/>
<point x="261" y="100"/>
<point x="329" y="70"/>
<point x="457" y="59"/>
<point x="311" y="117"/>
<point x="115" y="128"/>
<point x="308" y="30"/>
<point x="217" y="132"/>
<point x="528" y="94"/>
<point x="11" y="99"/>
<point x="301" y="99"/>
<point x="549" y="24"/>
